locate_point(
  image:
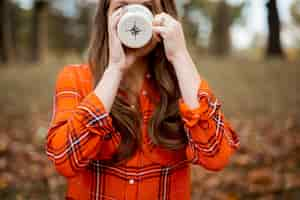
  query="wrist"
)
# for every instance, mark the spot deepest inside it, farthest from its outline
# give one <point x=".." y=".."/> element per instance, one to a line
<point x="116" y="69"/>
<point x="180" y="56"/>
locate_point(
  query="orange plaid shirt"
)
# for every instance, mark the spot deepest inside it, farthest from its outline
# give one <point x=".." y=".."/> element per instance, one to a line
<point x="81" y="134"/>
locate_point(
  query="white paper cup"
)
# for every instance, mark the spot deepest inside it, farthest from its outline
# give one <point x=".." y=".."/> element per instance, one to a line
<point x="135" y="26"/>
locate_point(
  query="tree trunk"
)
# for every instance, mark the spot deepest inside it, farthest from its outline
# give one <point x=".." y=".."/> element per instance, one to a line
<point x="274" y="48"/>
<point x="40" y="31"/>
<point x="191" y="29"/>
<point x="6" y="40"/>
<point x="220" y="40"/>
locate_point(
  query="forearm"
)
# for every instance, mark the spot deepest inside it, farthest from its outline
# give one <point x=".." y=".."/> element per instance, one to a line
<point x="211" y="138"/>
<point x="79" y="125"/>
<point x="108" y="86"/>
<point x="188" y="78"/>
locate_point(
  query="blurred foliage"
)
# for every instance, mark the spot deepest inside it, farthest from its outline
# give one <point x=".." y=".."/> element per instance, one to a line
<point x="209" y="9"/>
<point x="65" y="33"/>
<point x="75" y="29"/>
<point x="295" y="11"/>
<point x="221" y="15"/>
<point x="69" y="32"/>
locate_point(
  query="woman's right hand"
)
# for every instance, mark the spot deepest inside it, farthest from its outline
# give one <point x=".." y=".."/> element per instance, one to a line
<point x="117" y="55"/>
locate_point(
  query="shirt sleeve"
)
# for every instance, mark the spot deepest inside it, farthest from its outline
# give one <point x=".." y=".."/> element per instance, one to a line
<point x="80" y="127"/>
<point x="211" y="138"/>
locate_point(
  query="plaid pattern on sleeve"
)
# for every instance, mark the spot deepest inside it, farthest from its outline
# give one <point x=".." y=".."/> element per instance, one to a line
<point x="81" y="135"/>
<point x="78" y="127"/>
<point x="211" y="137"/>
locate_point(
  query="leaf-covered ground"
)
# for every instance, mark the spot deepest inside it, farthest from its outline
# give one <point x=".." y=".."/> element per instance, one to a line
<point x="259" y="98"/>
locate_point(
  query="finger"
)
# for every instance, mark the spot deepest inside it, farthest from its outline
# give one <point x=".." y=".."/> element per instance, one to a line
<point x="158" y="20"/>
<point x="160" y="30"/>
<point x="115" y="17"/>
<point x="162" y="20"/>
<point x="111" y="16"/>
<point x="167" y="16"/>
<point x="115" y="21"/>
<point x="117" y="12"/>
<point x="166" y="19"/>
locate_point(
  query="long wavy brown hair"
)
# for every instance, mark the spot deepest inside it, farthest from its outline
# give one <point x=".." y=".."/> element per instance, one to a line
<point x="165" y="127"/>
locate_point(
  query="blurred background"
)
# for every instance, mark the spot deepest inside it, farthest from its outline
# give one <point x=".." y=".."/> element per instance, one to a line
<point x="248" y="50"/>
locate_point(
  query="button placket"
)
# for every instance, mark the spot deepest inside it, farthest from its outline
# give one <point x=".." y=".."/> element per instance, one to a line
<point x="148" y="75"/>
<point x="144" y="92"/>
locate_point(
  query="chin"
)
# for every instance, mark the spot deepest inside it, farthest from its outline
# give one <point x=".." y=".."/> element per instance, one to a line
<point x="143" y="51"/>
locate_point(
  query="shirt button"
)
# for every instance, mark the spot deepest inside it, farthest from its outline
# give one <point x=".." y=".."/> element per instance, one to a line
<point x="148" y="75"/>
<point x="131" y="181"/>
<point x="132" y="106"/>
<point x="144" y="92"/>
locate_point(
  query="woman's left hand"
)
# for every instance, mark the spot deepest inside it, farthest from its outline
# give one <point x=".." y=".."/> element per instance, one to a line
<point x="172" y="34"/>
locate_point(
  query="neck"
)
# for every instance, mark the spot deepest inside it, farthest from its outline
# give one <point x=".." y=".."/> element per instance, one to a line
<point x="138" y="69"/>
<point x="135" y="75"/>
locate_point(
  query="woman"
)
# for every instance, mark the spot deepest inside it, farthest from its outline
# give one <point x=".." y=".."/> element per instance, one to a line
<point x="129" y="124"/>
